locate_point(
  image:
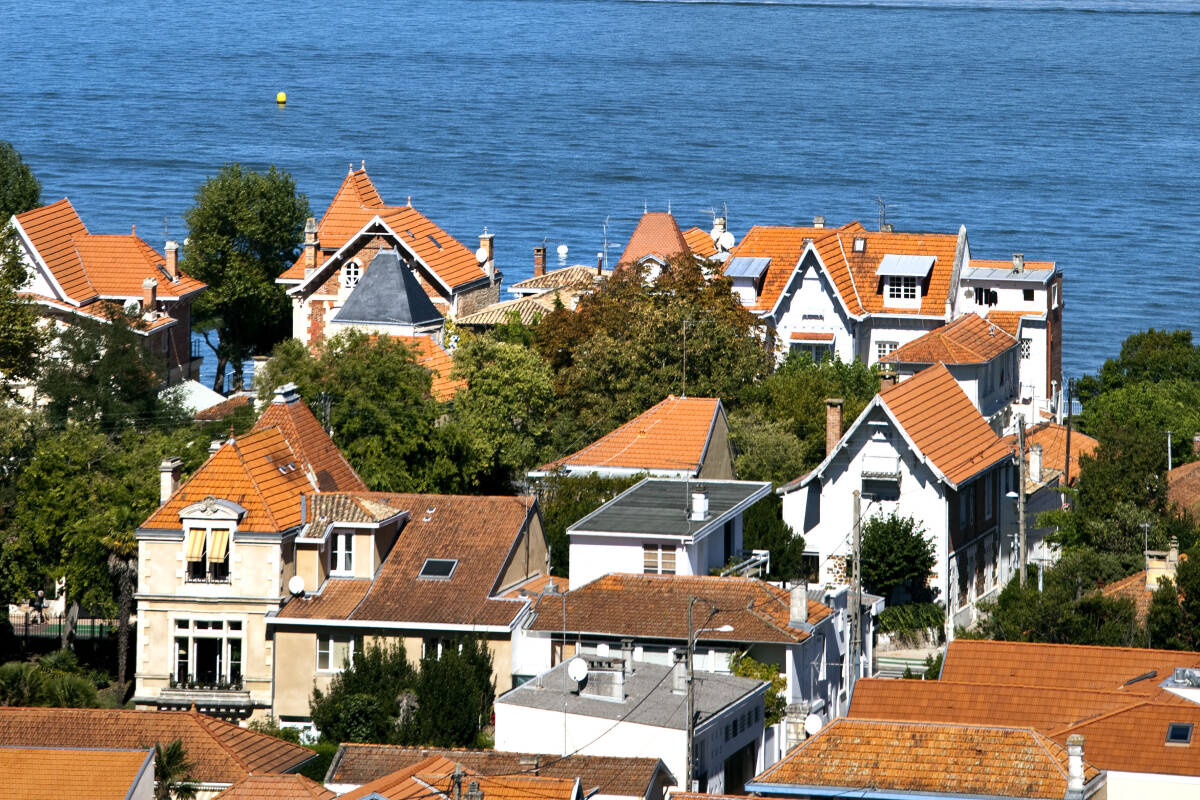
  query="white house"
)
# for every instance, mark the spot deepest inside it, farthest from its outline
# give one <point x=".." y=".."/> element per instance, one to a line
<point x="665" y="527"/>
<point x="919" y="449"/>
<point x="635" y="708"/>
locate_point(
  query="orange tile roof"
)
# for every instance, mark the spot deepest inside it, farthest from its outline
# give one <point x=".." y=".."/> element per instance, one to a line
<point x="810" y="336"/>
<point x="1064" y="666"/>
<point x="1033" y="706"/>
<point x="286" y="455"/>
<point x="87" y="266"/>
<point x="942" y="423"/>
<point x="612" y="775"/>
<point x="1134" y="739"/>
<point x="1132" y="588"/>
<point x="436" y="771"/>
<point x="529" y="309"/>
<point x="1183" y="487"/>
<point x="655" y="606"/>
<point x="1053" y="439"/>
<point x="357" y="202"/>
<point x="440" y="364"/>
<point x="276" y="787"/>
<point x="72" y="773"/>
<point x="537" y="584"/>
<point x="671" y="435"/>
<point x="223" y="409"/>
<point x="700" y="242"/>
<point x="335" y="599"/>
<point x="222" y="752"/>
<point x="312" y="444"/>
<point x="966" y="340"/>
<point x="852" y="274"/>
<point x="98" y="311"/>
<point x="479" y="532"/>
<point x="1010" y="321"/>
<point x="657" y="234"/>
<point x="942" y="759"/>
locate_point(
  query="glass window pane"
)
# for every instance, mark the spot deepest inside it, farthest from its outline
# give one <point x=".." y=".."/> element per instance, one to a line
<point x="668" y="560"/>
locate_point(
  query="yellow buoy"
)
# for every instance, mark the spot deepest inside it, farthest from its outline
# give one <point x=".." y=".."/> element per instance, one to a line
<point x="281" y="98"/>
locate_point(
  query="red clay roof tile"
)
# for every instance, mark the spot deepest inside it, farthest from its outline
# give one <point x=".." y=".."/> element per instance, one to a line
<point x="967" y="340"/>
<point x="72" y="773"/>
<point x="658" y="235"/>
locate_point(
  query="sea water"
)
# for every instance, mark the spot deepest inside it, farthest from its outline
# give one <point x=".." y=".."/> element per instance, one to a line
<point x="1064" y="130"/>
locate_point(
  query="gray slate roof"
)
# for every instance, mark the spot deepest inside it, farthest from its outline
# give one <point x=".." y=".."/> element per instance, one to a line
<point x="662" y="506"/>
<point x="649" y="699"/>
<point x="388" y="294"/>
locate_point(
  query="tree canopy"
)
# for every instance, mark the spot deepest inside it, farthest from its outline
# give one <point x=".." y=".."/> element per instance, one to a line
<point x="243" y="231"/>
<point x="20" y="190"/>
<point x="897" y="559"/>
<point x="21" y="338"/>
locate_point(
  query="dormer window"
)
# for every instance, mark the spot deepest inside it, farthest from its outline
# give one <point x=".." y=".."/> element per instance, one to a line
<point x="343" y="554"/>
<point x="860" y="244"/>
<point x="902" y="287"/>
<point x="207" y="553"/>
<point x="350" y="274"/>
<point x="438" y="568"/>
<point x="902" y="277"/>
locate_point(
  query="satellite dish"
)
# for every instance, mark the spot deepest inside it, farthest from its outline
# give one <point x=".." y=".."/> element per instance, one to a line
<point x="577" y="669"/>
<point x="726" y="241"/>
<point x="812" y="724"/>
<point x="562" y="251"/>
<point x="481" y="255"/>
<point x="296" y="585"/>
<point x="132" y="306"/>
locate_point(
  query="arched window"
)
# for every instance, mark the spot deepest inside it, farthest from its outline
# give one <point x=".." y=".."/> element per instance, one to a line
<point x="350" y="274"/>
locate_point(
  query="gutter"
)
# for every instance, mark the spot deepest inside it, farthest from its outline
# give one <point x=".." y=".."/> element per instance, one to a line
<point x="802" y="790"/>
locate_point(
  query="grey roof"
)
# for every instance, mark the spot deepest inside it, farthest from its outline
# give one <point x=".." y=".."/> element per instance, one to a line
<point x="388" y="294"/>
<point x="1037" y="276"/>
<point x="661" y="507"/>
<point x="649" y="699"/>
<point x="746" y="267"/>
<point x="906" y="266"/>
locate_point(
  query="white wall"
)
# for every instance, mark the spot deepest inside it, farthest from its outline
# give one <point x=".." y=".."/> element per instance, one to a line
<point x="814" y="297"/>
<point x="900" y="330"/>
<point x="1143" y="785"/>
<point x="593" y="557"/>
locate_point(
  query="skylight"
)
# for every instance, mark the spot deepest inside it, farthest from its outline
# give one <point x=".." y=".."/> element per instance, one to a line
<point x="438" y="568"/>
<point x="1179" y="733"/>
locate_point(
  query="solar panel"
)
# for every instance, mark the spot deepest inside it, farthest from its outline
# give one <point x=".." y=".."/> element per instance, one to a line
<point x="744" y="267"/>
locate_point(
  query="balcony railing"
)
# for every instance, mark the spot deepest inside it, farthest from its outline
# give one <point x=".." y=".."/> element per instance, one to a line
<point x="881" y="467"/>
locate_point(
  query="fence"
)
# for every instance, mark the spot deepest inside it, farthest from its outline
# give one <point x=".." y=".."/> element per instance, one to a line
<point x="32" y="625"/>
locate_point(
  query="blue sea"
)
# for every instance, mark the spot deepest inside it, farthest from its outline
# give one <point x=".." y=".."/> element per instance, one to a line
<point x="1064" y="130"/>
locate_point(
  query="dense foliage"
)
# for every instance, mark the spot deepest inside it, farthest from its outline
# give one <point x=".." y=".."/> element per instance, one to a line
<point x="897" y="559"/>
<point x="20" y="190"/>
<point x="775" y="700"/>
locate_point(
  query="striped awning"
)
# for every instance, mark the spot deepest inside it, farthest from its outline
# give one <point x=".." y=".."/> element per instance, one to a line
<point x="219" y="547"/>
<point x="195" y="546"/>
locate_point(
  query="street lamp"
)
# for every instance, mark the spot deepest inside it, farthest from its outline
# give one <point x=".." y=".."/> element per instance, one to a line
<point x="693" y="632"/>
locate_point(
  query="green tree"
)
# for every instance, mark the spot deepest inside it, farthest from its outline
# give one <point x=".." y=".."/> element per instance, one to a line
<point x="565" y="500"/>
<point x="622" y="349"/>
<point x="897" y="559"/>
<point x="103" y="372"/>
<point x="20" y="189"/>
<point x="744" y="666"/>
<point x="1147" y="357"/>
<point x="505" y="409"/>
<point x="362" y="701"/>
<point x="173" y="772"/>
<point x="763" y="528"/>
<point x="767" y="449"/>
<point x="454" y="693"/>
<point x="244" y="230"/>
<point x="1164" y="621"/>
<point x="21" y="338"/>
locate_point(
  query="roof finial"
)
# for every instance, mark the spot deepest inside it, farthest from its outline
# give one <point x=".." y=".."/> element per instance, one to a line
<point x="645" y="207"/>
<point x="351" y="168"/>
<point x="668" y="205"/>
<point x="364" y="165"/>
<point x="410" y="201"/>
<point x="133" y="230"/>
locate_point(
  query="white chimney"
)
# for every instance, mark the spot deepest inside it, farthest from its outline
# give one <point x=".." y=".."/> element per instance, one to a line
<point x="169" y="473"/>
<point x="699" y="506"/>
<point x="627" y="655"/>
<point x="288" y="393"/>
<point x="1018" y="262"/>
<point x="1035" y="463"/>
<point x="818" y="222"/>
<point x="679" y="673"/>
<point x="1074" y="766"/>
<point x="799" y="604"/>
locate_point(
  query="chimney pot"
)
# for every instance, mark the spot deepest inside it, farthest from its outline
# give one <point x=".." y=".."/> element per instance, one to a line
<point x="887" y="227"/>
<point x="1018" y="262"/>
<point x="599" y="265"/>
<point x="818" y="222"/>
<point x="172" y="265"/>
<point x="149" y="296"/>
<point x="799" y="604"/>
<point x="833" y="423"/>
<point x="539" y="261"/>
<point x="169" y="473"/>
<point x="699" y="506"/>
<point x="288" y="393"/>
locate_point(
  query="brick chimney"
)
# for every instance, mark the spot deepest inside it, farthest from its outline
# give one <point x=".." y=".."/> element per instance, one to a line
<point x="798" y="604"/>
<point x="172" y="265"/>
<point x="833" y="423"/>
<point x="169" y="473"/>
<point x="149" y="295"/>
<point x="599" y="265"/>
<point x="487" y="245"/>
<point x="311" y="246"/>
<point x="539" y="261"/>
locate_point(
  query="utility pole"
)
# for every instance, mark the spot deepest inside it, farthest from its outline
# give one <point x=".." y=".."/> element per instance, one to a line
<point x="691" y="716"/>
<point x="1067" y="459"/>
<point x="856" y="595"/>
<point x="1021" y="497"/>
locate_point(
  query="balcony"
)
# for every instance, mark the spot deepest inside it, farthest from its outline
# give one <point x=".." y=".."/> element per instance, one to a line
<point x="881" y="467"/>
<point x="225" y="700"/>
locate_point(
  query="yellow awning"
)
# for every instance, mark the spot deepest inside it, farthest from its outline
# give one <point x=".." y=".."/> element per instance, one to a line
<point x="219" y="547"/>
<point x="195" y="546"/>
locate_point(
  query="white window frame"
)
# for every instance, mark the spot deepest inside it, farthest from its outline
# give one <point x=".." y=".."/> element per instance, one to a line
<point x="351" y="274"/>
<point x="659" y="565"/>
<point x="903" y="287"/>
<point x="326" y="648"/>
<point x="339" y="566"/>
<point x="883" y="348"/>
<point x="226" y="630"/>
<point x="207" y="530"/>
<point x="1026" y="348"/>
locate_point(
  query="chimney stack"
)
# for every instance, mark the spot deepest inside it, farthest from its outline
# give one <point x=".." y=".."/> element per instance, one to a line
<point x="539" y="261"/>
<point x="600" y="265"/>
<point x="818" y="222"/>
<point x="1074" y="767"/>
<point x="887" y="227"/>
<point x="149" y="296"/>
<point x="799" y="604"/>
<point x="627" y="655"/>
<point x="699" y="506"/>
<point x="1173" y="556"/>
<point x="169" y="473"/>
<point x="487" y="243"/>
<point x="1018" y="262"/>
<point x="172" y="265"/>
<point x="311" y="246"/>
<point x="833" y="423"/>
<point x="1035" y="463"/>
<point x="679" y="673"/>
<point x="1196" y="445"/>
<point x="288" y="393"/>
<point x="215" y="445"/>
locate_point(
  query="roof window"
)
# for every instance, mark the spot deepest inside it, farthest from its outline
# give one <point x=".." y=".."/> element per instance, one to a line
<point x="438" y="568"/>
<point x="1179" y="733"/>
<point x="860" y="244"/>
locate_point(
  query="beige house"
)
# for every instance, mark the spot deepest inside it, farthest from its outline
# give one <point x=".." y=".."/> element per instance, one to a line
<point x="415" y="569"/>
<point x="216" y="558"/>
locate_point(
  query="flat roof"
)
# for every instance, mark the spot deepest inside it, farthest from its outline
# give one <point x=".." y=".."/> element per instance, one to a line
<point x="648" y="695"/>
<point x="662" y="507"/>
<point x="1037" y="276"/>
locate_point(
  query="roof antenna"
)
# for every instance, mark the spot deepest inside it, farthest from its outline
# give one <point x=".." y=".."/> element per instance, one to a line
<point x="166" y="231"/>
<point x="882" y="211"/>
